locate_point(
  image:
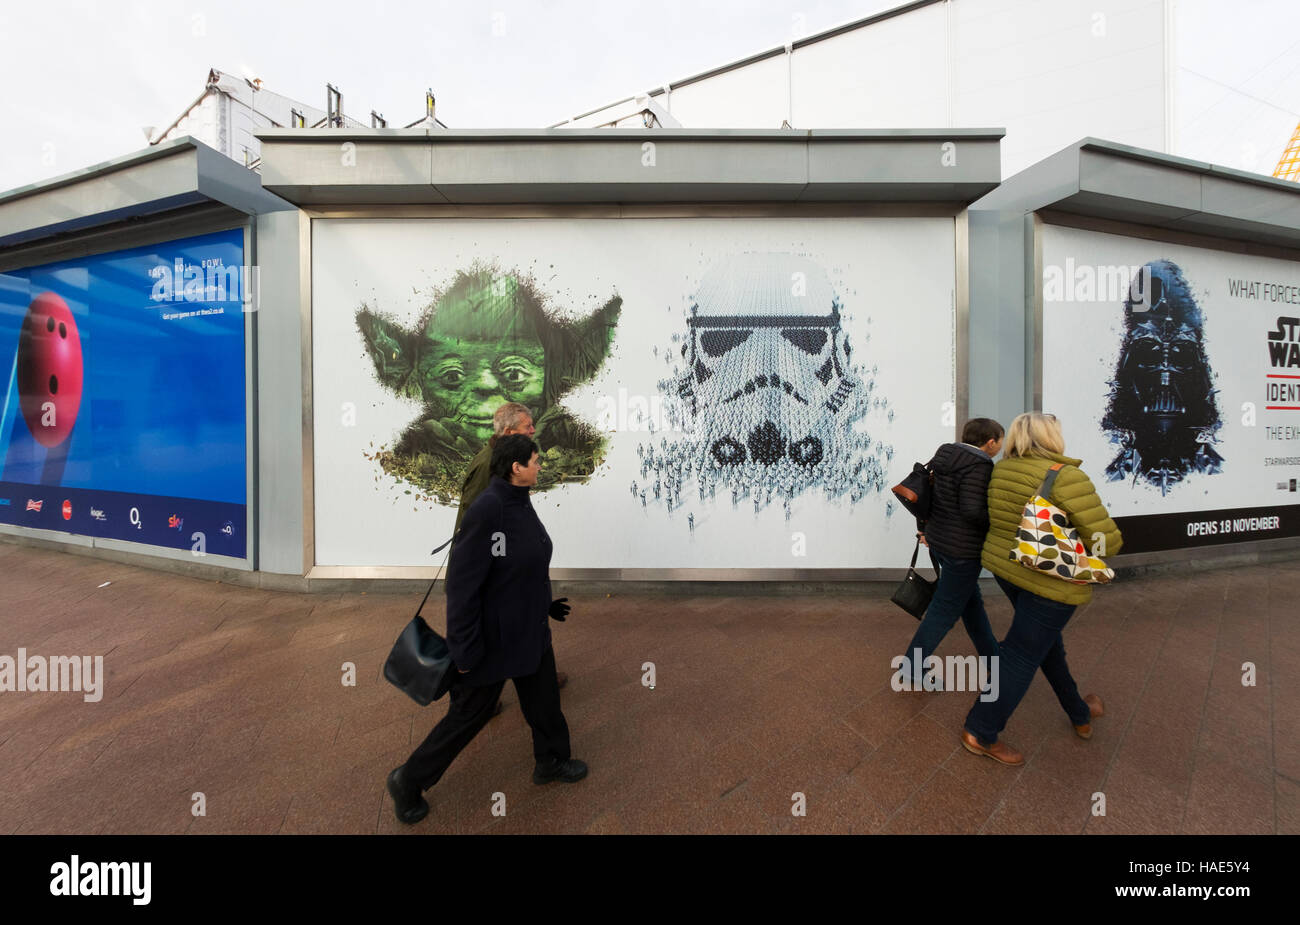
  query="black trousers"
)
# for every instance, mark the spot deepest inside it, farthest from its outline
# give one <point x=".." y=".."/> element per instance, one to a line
<point x="471" y="708"/>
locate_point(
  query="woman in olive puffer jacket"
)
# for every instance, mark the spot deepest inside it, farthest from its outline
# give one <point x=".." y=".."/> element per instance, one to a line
<point x="1043" y="604"/>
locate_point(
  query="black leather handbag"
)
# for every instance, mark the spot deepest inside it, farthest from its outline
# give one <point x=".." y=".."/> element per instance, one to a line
<point x="915" y="593"/>
<point x="420" y="664"/>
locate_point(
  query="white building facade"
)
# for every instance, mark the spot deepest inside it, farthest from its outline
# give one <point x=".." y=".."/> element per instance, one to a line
<point x="1049" y="71"/>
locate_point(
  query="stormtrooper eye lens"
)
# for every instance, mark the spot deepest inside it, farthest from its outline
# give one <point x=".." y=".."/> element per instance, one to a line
<point x="809" y="340"/>
<point x="716" y="343"/>
<point x="728" y="451"/>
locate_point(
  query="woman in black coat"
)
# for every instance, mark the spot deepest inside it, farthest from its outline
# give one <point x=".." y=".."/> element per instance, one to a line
<point x="498" y="603"/>
<point x="959" y="520"/>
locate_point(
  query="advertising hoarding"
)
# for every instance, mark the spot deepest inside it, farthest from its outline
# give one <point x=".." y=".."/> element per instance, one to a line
<point x="708" y="393"/>
<point x="124" y="414"/>
<point x="1175" y="372"/>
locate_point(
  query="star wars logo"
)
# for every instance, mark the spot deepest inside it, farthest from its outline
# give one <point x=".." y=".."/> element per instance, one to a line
<point x="1284" y="343"/>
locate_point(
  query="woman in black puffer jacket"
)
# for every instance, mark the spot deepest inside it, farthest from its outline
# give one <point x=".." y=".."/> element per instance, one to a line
<point x="959" y="521"/>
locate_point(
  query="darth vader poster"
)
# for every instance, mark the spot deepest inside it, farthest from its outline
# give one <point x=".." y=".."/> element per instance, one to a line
<point x="1160" y="360"/>
<point x="1163" y="410"/>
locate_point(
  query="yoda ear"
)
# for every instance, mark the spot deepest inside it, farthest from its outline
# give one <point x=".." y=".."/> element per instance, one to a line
<point x="585" y="345"/>
<point x="390" y="349"/>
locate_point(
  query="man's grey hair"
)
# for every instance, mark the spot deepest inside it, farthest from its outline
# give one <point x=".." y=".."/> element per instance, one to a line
<point x="510" y="416"/>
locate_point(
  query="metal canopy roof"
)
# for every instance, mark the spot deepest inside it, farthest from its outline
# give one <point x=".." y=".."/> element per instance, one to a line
<point x="377" y="166"/>
<point x="167" y="176"/>
<point x="1106" y="180"/>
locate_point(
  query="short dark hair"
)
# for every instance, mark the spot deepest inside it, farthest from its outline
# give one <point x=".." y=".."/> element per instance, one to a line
<point x="511" y="449"/>
<point x="979" y="431"/>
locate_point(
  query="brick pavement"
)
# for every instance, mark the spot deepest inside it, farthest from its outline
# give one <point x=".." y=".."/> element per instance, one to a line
<point x="237" y="693"/>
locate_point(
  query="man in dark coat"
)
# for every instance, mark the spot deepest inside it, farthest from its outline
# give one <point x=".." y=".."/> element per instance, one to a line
<point x="498" y="607"/>
<point x="959" y="521"/>
<point x="510" y="418"/>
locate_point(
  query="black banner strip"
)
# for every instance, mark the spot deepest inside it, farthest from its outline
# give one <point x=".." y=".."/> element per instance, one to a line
<point x="1190" y="529"/>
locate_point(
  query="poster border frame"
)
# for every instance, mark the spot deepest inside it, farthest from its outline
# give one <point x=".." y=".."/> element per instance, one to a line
<point x="957" y="213"/>
<point x="1244" y="551"/>
<point x="203" y="220"/>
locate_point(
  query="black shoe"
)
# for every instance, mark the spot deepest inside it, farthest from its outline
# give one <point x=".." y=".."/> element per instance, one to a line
<point x="570" y="771"/>
<point x="409" y="804"/>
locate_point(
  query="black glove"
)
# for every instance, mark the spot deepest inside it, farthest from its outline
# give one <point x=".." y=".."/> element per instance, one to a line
<point x="559" y="609"/>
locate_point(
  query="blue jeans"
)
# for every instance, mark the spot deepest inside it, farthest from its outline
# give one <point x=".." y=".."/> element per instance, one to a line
<point x="958" y="595"/>
<point x="1033" y="642"/>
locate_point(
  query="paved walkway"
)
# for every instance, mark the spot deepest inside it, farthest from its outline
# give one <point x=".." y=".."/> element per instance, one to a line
<point x="237" y="694"/>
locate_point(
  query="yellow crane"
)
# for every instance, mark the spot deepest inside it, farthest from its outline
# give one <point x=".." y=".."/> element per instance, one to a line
<point x="1288" y="165"/>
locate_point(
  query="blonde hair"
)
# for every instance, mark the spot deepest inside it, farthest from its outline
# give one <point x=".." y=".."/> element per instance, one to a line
<point x="1034" y="434"/>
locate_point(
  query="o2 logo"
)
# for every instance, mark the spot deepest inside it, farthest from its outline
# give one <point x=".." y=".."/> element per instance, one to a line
<point x="228" y="529"/>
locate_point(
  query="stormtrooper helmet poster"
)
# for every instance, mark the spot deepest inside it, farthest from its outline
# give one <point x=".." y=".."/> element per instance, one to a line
<point x="769" y="393"/>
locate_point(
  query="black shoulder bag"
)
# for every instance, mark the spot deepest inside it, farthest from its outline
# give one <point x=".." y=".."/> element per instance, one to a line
<point x="420" y="664"/>
<point x="915" y="593"/>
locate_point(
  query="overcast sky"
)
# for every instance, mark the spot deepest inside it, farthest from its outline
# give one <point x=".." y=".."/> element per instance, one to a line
<point x="78" y="81"/>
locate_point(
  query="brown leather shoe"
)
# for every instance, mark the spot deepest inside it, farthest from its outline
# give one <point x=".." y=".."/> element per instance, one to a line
<point x="998" y="751"/>
<point x="561" y="678"/>
<point x="1095" y="709"/>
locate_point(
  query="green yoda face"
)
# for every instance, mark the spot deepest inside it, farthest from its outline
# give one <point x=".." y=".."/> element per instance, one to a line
<point x="479" y="352"/>
<point x="471" y="379"/>
<point x="485" y="341"/>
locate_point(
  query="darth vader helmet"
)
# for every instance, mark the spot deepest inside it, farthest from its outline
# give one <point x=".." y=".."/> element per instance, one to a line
<point x="1162" y="410"/>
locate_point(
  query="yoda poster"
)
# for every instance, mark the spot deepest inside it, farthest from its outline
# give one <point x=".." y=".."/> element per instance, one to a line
<point x="709" y="394"/>
<point x="484" y="340"/>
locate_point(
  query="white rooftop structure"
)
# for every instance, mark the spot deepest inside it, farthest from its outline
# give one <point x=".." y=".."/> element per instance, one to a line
<point x="231" y="109"/>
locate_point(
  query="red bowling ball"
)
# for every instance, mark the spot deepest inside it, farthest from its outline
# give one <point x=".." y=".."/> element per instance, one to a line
<point x="49" y="370"/>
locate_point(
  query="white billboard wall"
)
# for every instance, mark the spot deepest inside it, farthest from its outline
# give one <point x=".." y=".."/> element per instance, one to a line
<point x="791" y="370"/>
<point x="1176" y="375"/>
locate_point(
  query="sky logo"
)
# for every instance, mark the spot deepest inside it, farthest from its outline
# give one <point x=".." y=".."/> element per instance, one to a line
<point x="175" y="521"/>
